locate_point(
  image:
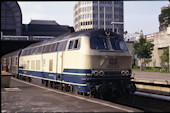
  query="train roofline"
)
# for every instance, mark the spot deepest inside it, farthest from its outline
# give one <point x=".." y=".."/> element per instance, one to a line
<point x="67" y="36"/>
<point x="16" y="52"/>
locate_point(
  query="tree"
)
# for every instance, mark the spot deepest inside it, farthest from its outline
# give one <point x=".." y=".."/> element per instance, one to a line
<point x="143" y="48"/>
<point x="165" y="14"/>
<point x="165" y="57"/>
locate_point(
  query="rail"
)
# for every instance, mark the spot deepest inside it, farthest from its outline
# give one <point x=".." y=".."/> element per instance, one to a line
<point x="153" y="86"/>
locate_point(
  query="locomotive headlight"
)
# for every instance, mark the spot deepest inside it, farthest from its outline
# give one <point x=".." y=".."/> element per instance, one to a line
<point x="122" y="73"/>
<point x="127" y="73"/>
<point x="101" y="73"/>
<point x="95" y="73"/>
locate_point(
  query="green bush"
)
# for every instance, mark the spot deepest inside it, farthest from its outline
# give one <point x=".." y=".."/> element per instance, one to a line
<point x="150" y="69"/>
<point x="136" y="67"/>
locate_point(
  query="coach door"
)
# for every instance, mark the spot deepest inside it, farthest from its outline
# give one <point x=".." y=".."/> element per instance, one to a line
<point x="59" y="64"/>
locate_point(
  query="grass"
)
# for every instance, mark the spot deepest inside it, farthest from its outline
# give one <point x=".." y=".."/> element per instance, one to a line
<point x="150" y="69"/>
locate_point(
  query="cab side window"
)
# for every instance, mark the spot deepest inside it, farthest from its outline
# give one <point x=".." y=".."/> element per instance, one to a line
<point x="74" y="44"/>
<point x="70" y="45"/>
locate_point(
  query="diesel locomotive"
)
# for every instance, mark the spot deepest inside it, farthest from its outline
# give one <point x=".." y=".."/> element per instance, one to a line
<point x="92" y="62"/>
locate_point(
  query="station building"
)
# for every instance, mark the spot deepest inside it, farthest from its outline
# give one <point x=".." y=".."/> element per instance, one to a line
<point x="11" y="18"/>
<point x="16" y="35"/>
<point x="45" y="28"/>
<point x="99" y="15"/>
<point x="11" y="23"/>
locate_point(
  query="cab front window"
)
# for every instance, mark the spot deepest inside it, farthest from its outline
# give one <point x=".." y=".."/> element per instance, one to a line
<point x="99" y="43"/>
<point x="118" y="44"/>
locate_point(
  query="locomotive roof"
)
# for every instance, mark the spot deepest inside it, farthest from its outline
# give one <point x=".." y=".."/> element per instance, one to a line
<point x="74" y="34"/>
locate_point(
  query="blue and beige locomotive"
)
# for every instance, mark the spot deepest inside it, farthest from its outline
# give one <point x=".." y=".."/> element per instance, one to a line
<point x="92" y="62"/>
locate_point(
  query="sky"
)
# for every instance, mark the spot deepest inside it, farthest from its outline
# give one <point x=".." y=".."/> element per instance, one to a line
<point x="138" y="15"/>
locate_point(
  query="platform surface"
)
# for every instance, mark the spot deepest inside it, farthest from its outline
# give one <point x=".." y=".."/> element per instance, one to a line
<point x="152" y="76"/>
<point x="5" y="73"/>
<point x="27" y="97"/>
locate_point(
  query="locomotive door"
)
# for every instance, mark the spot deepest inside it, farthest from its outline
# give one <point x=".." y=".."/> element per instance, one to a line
<point x="59" y="65"/>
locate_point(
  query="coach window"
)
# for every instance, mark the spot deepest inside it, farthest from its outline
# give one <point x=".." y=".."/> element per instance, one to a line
<point x="9" y="61"/>
<point x="13" y="61"/>
<point x="16" y="60"/>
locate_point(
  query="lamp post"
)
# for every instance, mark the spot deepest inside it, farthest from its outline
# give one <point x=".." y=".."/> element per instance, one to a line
<point x="117" y="27"/>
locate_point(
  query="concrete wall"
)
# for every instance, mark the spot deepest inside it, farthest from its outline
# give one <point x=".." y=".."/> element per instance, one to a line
<point x="131" y="49"/>
<point x="161" y="40"/>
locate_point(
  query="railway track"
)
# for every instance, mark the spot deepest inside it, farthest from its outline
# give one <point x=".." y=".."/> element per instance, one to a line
<point x="147" y="102"/>
<point x="144" y="101"/>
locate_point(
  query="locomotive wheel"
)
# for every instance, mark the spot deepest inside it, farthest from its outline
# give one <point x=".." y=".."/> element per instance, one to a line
<point x="26" y="79"/>
<point x="55" y="85"/>
<point x="60" y="86"/>
<point x="46" y="83"/>
<point x="29" y="79"/>
<point x="66" y="88"/>
<point x="71" y="89"/>
<point x="42" y="81"/>
<point x="74" y="91"/>
<point x="51" y="84"/>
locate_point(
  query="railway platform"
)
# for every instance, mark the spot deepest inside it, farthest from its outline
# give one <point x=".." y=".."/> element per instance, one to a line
<point x="151" y="76"/>
<point x="160" y="81"/>
<point x="23" y="96"/>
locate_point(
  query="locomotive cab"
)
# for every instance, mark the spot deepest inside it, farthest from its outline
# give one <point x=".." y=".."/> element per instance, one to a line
<point x="109" y="60"/>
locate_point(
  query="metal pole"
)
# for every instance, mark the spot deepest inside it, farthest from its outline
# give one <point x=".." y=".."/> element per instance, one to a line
<point x="98" y="14"/>
<point x="113" y="15"/>
<point x="104" y="20"/>
<point x="169" y="58"/>
<point x="140" y="65"/>
<point x="1" y="35"/>
<point x="117" y="27"/>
